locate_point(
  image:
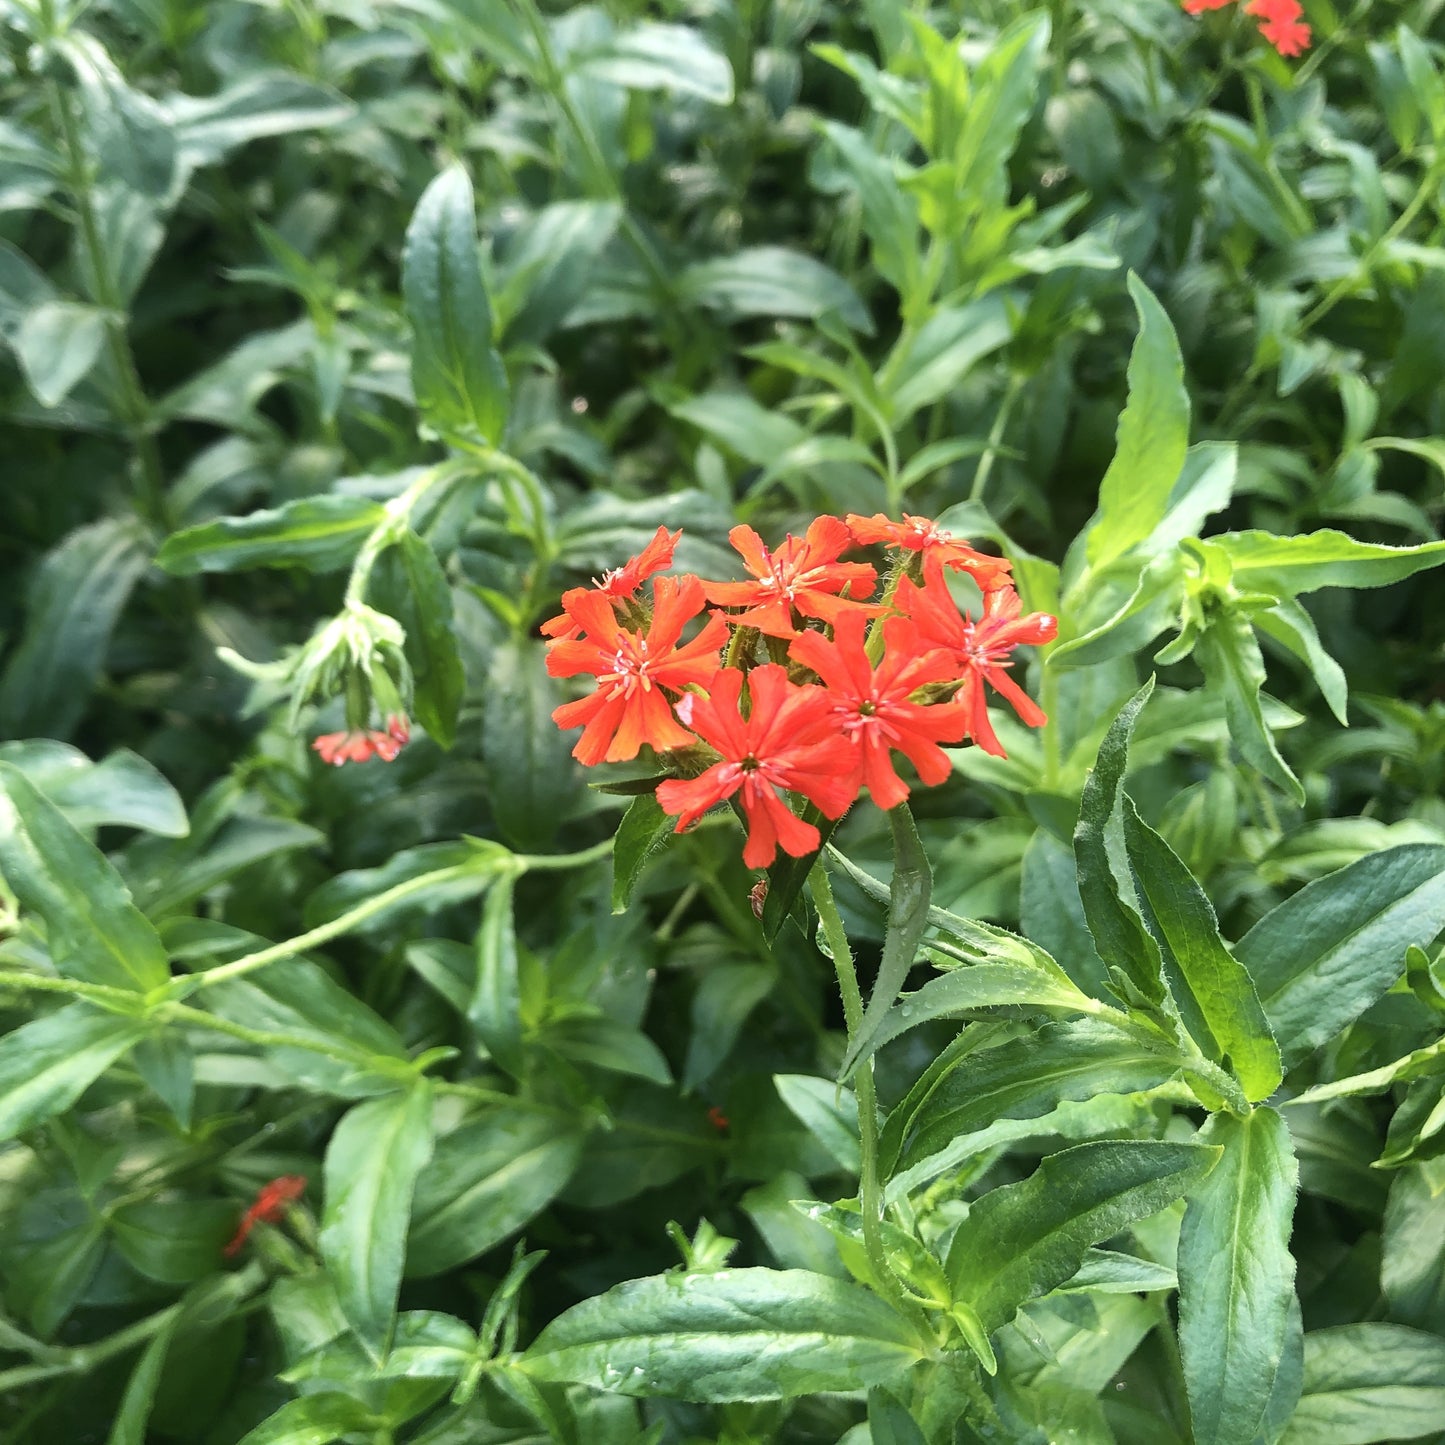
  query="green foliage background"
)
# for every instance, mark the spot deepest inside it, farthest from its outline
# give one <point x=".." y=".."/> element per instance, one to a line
<point x="442" y="306"/>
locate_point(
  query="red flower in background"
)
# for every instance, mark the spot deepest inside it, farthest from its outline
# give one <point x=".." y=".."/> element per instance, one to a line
<point x="356" y="745"/>
<point x="803" y="575"/>
<point x="980" y="650"/>
<point x="1281" y="21"/>
<point x="629" y="707"/>
<point x="918" y="534"/>
<point x="786" y="742"/>
<point x="1282" y="24"/>
<point x="620" y="583"/>
<point x="269" y="1206"/>
<point x="870" y="705"/>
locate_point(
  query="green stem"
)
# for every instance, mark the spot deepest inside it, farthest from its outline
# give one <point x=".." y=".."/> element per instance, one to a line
<point x="869" y="1186"/>
<point x="121" y="1000"/>
<point x="393" y="525"/>
<point x="324" y="933"/>
<point x="995" y="436"/>
<point x="133" y="405"/>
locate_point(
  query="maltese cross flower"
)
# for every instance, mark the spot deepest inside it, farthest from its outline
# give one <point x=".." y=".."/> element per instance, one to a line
<point x="919" y="534"/>
<point x="980" y="649"/>
<point x="872" y="708"/>
<point x="629" y="707"/>
<point x="804" y="574"/>
<point x="356" y="745"/>
<point x="786" y="742"/>
<point x="620" y="583"/>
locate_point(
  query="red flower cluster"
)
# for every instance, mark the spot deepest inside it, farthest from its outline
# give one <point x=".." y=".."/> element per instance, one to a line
<point x="358" y="744"/>
<point x="1281" y="22"/>
<point x="818" y="710"/>
<point x="270" y="1204"/>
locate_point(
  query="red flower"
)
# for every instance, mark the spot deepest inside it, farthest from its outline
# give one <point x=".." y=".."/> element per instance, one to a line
<point x="621" y="582"/>
<point x="804" y="574"/>
<point x="1281" y="24"/>
<point x="786" y="742"/>
<point x="871" y="708"/>
<point x="980" y="649"/>
<point x="269" y="1206"/>
<point x="629" y="708"/>
<point x="718" y="1119"/>
<point x="918" y="534"/>
<point x="356" y="745"/>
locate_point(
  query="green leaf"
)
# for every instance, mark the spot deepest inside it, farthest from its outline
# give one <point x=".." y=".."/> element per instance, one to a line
<point x="47" y="1064"/>
<point x="1324" y="955"/>
<point x="459" y="380"/>
<point x="1152" y="440"/>
<point x="773" y="281"/>
<point x="653" y="56"/>
<point x="57" y="344"/>
<point x="408" y="583"/>
<point x="532" y="780"/>
<point x="321" y="534"/>
<point x="1213" y="989"/>
<point x="93" y="930"/>
<point x="828" y="1113"/>
<point x="889" y="1422"/>
<point x="485" y="1181"/>
<point x="496" y="1007"/>
<point x="129" y="134"/>
<point x="77" y="594"/>
<point x="929" y="363"/>
<point x="1001" y="99"/>
<point x="641" y="832"/>
<point x="1412" y="1253"/>
<point x="123" y="789"/>
<point x="1152" y="605"/>
<point x="251" y="108"/>
<point x="129" y="1425"/>
<point x="1292" y="627"/>
<point x="1052" y="913"/>
<point x="890" y="214"/>
<point x="1023" y="1240"/>
<point x="1106" y="1271"/>
<point x="1236" y="1276"/>
<point x="909" y="891"/>
<point x="1307" y="561"/>
<point x="372" y="1163"/>
<point x="998" y="1093"/>
<point x="1123" y="942"/>
<point x="1369" y="1382"/>
<point x="738" y="1334"/>
<point x="1233" y="666"/>
<point x="313" y="1420"/>
<point x="978" y="986"/>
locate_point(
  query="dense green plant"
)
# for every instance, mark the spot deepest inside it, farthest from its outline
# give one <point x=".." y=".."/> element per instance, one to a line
<point x="450" y="1095"/>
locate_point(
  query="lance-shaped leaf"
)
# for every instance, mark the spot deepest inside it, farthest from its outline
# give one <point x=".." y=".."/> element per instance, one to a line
<point x="1236" y="1276"/>
<point x="979" y="986"/>
<point x="371" y="1167"/>
<point x="321" y="534"/>
<point x="641" y="832"/>
<point x="1369" y="1382"/>
<point x="93" y="930"/>
<point x="1022" y="1240"/>
<point x="485" y="1181"/>
<point x="1124" y="943"/>
<point x="989" y="1096"/>
<point x="496" y="1008"/>
<point x="1153" y="436"/>
<point x="459" y="380"/>
<point x="47" y="1064"/>
<point x="1305" y="562"/>
<point x="1216" y="999"/>
<point x="1325" y="954"/>
<point x="1229" y="655"/>
<point x="737" y="1334"/>
<point x="908" y="895"/>
<point x="408" y="584"/>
